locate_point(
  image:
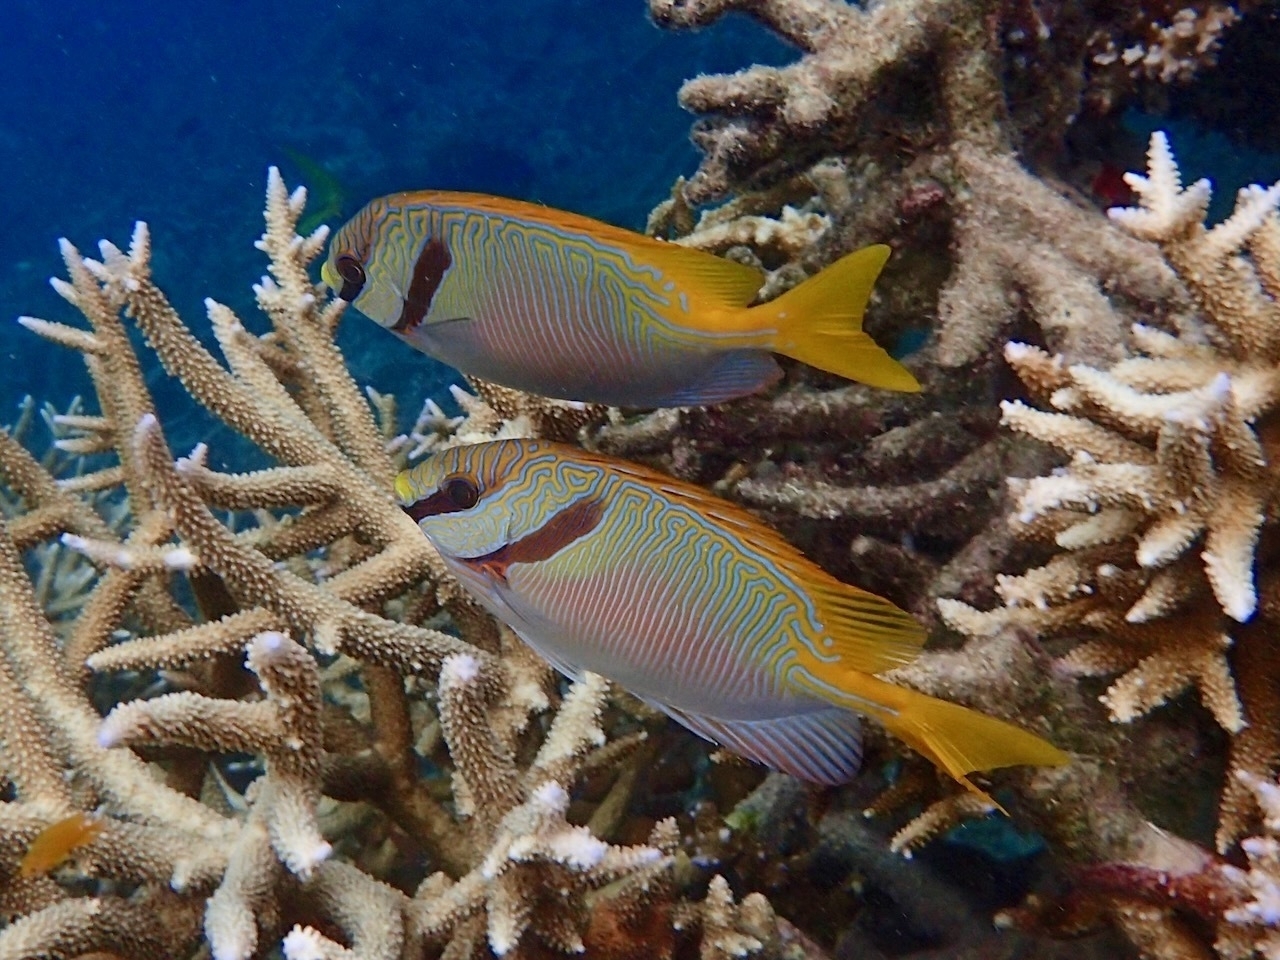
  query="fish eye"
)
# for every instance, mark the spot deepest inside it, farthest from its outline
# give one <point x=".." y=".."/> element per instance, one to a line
<point x="461" y="491"/>
<point x="353" y="276"/>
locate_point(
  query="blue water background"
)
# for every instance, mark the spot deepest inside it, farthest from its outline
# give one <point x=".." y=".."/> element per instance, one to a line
<point x="171" y="113"/>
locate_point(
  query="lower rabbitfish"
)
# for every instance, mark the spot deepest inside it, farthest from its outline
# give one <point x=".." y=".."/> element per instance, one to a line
<point x="693" y="605"/>
<point x="565" y="306"/>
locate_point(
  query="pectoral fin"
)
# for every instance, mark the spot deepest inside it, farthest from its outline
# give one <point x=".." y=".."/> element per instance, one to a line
<point x="446" y="331"/>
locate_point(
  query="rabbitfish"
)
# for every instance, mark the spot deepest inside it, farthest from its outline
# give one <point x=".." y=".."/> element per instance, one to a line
<point x="568" y="307"/>
<point x="693" y="605"/>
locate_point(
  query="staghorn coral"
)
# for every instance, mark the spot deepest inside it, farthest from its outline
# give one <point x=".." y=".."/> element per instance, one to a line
<point x="913" y="115"/>
<point x="918" y="99"/>
<point x="1254" y="916"/>
<point x="1168" y="42"/>
<point x="344" y="704"/>
<point x="1163" y="571"/>
<point x="929" y="126"/>
<point x="434" y="748"/>
<point x="1159" y="514"/>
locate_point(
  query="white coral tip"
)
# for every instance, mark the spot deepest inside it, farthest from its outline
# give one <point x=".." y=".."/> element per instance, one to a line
<point x="460" y="668"/>
<point x="146" y="423"/>
<point x="180" y="559"/>
<point x="578" y="848"/>
<point x="302" y="861"/>
<point x="500" y="943"/>
<point x="1241" y="603"/>
<point x="141" y="239"/>
<point x="110" y="733"/>
<point x="551" y="796"/>
<point x="304" y="943"/>
<point x="268" y="642"/>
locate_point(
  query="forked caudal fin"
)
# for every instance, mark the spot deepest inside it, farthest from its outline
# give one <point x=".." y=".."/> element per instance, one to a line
<point x="957" y="739"/>
<point x="820" y="323"/>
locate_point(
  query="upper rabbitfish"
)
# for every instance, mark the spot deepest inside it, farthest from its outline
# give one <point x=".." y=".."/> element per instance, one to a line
<point x="568" y="307"/>
<point x="693" y="605"/>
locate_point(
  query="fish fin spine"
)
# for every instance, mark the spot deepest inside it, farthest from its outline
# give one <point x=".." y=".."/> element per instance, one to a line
<point x="866" y="632"/>
<point x="819" y="323"/>
<point x="822" y="746"/>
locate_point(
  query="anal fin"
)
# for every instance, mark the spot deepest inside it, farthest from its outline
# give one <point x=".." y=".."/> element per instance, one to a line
<point x="728" y="375"/>
<point x="822" y="746"/>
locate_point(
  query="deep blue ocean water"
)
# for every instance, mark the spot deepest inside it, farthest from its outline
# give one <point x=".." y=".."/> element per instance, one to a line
<point x="172" y="113"/>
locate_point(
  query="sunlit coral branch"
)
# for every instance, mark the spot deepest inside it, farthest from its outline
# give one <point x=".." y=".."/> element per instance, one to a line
<point x="309" y="557"/>
<point x="1160" y="512"/>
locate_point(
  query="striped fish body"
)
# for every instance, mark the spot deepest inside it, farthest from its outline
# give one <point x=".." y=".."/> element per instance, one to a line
<point x="565" y="306"/>
<point x="678" y="597"/>
<point x="638" y="598"/>
<point x="597" y="568"/>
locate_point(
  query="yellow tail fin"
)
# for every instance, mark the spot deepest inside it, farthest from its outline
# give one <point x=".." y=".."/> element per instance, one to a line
<point x="955" y="738"/>
<point x="820" y="323"/>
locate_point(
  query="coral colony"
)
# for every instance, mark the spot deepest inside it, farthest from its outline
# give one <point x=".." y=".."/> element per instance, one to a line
<point x="250" y="713"/>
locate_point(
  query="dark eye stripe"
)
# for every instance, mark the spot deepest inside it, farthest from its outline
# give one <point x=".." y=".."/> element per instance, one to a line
<point x="432" y="506"/>
<point x="428" y="274"/>
<point x="570" y="524"/>
<point x="456" y="493"/>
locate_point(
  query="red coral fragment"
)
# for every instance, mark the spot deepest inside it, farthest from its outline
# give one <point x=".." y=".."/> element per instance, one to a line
<point x="1208" y="893"/>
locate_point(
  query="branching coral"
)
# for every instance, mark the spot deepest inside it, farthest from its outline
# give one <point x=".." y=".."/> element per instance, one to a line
<point x="355" y="703"/>
<point x="1254" y="917"/>
<point x="1160" y="512"/>
<point x="930" y="126"/>
<point x="1162" y="522"/>
<point x="308" y="788"/>
<point x="909" y="111"/>
<point x="913" y="93"/>
<point x="1162" y="41"/>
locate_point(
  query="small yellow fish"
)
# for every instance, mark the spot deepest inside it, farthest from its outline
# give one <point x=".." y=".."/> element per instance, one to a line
<point x="325" y="197"/>
<point x="568" y="307"/>
<point x="693" y="605"/>
<point x="58" y="841"/>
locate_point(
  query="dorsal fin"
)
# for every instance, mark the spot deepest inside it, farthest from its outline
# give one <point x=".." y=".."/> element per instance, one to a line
<point x="716" y="281"/>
